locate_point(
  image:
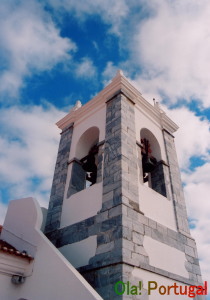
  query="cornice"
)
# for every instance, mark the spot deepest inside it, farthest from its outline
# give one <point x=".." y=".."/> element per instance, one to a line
<point x="118" y="83"/>
<point x="13" y="265"/>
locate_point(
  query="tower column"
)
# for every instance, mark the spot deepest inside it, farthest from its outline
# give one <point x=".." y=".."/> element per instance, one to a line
<point x="120" y="164"/>
<point x="116" y="231"/>
<point x="176" y="184"/>
<point x="59" y="180"/>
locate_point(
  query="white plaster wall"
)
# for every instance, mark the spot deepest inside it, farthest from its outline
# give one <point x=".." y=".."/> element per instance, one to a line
<point x="87" y="202"/>
<point x="79" y="253"/>
<point x="153" y="204"/>
<point x="82" y="205"/>
<point x="53" y="277"/>
<point x="21" y="236"/>
<point x="156" y="207"/>
<point x="7" y="290"/>
<point x="98" y="119"/>
<point x="145" y="276"/>
<point x="165" y="257"/>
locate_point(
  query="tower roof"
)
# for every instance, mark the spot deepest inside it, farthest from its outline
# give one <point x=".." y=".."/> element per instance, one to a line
<point x="119" y="84"/>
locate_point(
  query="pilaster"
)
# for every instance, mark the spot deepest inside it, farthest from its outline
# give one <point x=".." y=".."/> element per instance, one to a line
<point x="59" y="181"/>
<point x="176" y="184"/>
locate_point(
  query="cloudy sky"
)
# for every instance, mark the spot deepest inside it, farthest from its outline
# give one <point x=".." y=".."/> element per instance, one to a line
<point x="54" y="52"/>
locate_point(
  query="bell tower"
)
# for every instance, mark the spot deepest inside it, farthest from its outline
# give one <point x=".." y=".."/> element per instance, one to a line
<point x="117" y="210"/>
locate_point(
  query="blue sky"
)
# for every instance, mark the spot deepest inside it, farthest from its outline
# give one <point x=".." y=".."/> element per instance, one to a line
<point x="54" y="52"/>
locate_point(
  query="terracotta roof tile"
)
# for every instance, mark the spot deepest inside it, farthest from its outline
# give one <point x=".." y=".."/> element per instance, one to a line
<point x="9" y="249"/>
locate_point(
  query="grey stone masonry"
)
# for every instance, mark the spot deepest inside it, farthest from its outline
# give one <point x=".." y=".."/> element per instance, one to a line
<point x="59" y="181"/>
<point x="100" y="161"/>
<point x="176" y="184"/>
<point x="120" y="234"/>
<point x="120" y="163"/>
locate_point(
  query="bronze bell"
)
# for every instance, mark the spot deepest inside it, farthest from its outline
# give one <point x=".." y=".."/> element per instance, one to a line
<point x="148" y="163"/>
<point x="89" y="164"/>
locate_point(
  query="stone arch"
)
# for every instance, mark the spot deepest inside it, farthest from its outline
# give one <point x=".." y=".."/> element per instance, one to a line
<point x="155" y="147"/>
<point x="86" y="141"/>
<point x="84" y="165"/>
<point x="154" y="170"/>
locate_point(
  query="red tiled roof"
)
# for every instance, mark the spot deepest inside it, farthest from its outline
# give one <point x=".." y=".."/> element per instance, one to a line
<point x="7" y="248"/>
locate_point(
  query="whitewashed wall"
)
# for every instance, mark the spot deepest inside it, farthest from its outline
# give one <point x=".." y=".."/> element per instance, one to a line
<point x="152" y="204"/>
<point x="52" y="277"/>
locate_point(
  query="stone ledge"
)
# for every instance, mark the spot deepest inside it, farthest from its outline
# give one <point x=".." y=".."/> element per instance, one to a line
<point x="145" y="267"/>
<point x="67" y="127"/>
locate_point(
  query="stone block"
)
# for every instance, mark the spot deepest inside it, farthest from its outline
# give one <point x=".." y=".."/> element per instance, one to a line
<point x="138" y="259"/>
<point x="138" y="227"/>
<point x="111" y="223"/>
<point x="103" y="239"/>
<point x="132" y="214"/>
<point x="101" y="217"/>
<point x="116" y="233"/>
<point x="196" y="270"/>
<point x="152" y="224"/>
<point x="128" y="245"/>
<point x="126" y="253"/>
<point x="162" y="229"/>
<point x="127" y="233"/>
<point x="148" y="231"/>
<point x="127" y="221"/>
<point x="188" y="266"/>
<point x="115" y="211"/>
<point x="191" y="243"/>
<point x="142" y="219"/>
<point x="137" y="238"/>
<point x="105" y="247"/>
<point x="140" y="250"/>
<point x="171" y="233"/>
<point x="189" y="251"/>
<point x="157" y="235"/>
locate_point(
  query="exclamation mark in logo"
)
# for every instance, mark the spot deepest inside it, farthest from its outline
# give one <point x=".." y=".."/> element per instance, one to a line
<point x="140" y="287"/>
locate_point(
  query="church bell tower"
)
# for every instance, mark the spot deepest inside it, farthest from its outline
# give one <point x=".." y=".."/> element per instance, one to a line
<point x="117" y="210"/>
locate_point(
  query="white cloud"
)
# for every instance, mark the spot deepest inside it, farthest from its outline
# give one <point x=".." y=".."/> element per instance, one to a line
<point x="109" y="72"/>
<point x="28" y="151"/>
<point x="172" y="47"/>
<point x="3" y="209"/>
<point x="197" y="191"/>
<point x="193" y="136"/>
<point x="193" y="139"/>
<point x="30" y="42"/>
<point x="86" y="68"/>
<point x="111" y="12"/>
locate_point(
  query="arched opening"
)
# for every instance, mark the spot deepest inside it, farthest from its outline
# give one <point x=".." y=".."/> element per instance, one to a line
<point x="150" y="152"/>
<point x="84" y="165"/>
<point x="152" y="164"/>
